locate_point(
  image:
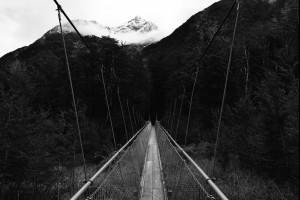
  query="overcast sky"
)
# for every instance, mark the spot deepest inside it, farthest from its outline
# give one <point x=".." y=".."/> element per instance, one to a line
<point x="24" y="21"/>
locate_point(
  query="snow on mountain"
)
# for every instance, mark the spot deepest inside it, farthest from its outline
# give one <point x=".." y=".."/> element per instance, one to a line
<point x="85" y="27"/>
<point x="137" y="30"/>
<point x="137" y="24"/>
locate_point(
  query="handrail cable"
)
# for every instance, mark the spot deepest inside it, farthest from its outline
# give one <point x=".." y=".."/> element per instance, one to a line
<point x="200" y="60"/>
<point x="225" y="89"/>
<point x="72" y="91"/>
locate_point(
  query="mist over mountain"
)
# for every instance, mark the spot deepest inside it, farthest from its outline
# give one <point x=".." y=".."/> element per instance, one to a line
<point x="135" y="31"/>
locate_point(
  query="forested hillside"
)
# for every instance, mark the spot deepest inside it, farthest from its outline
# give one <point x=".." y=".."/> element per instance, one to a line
<point x="260" y="128"/>
<point x="37" y="121"/>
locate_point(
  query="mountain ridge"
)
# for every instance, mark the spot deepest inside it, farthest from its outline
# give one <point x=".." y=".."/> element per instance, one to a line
<point x="134" y="31"/>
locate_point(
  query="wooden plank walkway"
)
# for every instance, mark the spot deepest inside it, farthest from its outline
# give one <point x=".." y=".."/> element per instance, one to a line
<point x="152" y="182"/>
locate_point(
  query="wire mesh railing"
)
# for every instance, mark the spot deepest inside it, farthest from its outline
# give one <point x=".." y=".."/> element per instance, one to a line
<point x="180" y="181"/>
<point x="123" y="181"/>
<point x="184" y="179"/>
<point x="119" y="178"/>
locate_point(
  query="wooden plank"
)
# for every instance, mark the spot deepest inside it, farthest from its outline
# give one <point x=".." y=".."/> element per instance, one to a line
<point x="152" y="186"/>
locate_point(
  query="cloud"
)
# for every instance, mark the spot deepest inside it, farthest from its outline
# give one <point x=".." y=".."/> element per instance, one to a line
<point x="136" y="37"/>
<point x="22" y="22"/>
<point x="93" y="28"/>
<point x="86" y="28"/>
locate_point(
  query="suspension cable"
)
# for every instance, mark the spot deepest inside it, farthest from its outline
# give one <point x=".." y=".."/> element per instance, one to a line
<point x="173" y="116"/>
<point x="201" y="59"/>
<point x="180" y="112"/>
<point x="83" y="40"/>
<point x="142" y="120"/>
<point x="74" y="162"/>
<point x="139" y="120"/>
<point x="72" y="91"/>
<point x="225" y="89"/>
<point x="134" y="118"/>
<point x="170" y="117"/>
<point x="167" y="119"/>
<point x="108" y="108"/>
<point x="190" y="108"/>
<point x="129" y="114"/>
<point x="121" y="106"/>
<point x="217" y="32"/>
<point x="87" y="45"/>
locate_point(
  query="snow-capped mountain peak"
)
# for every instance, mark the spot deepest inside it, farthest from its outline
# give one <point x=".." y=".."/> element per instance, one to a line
<point x="137" y="30"/>
<point x="137" y="24"/>
<point x="137" y="20"/>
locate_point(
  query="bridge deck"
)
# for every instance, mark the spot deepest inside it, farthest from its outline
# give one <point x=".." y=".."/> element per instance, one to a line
<point x="152" y="182"/>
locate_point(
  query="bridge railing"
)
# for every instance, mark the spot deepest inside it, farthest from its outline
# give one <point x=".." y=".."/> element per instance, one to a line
<point x="184" y="179"/>
<point x="119" y="178"/>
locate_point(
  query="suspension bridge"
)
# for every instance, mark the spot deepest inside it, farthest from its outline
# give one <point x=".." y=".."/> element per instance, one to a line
<point x="151" y="165"/>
